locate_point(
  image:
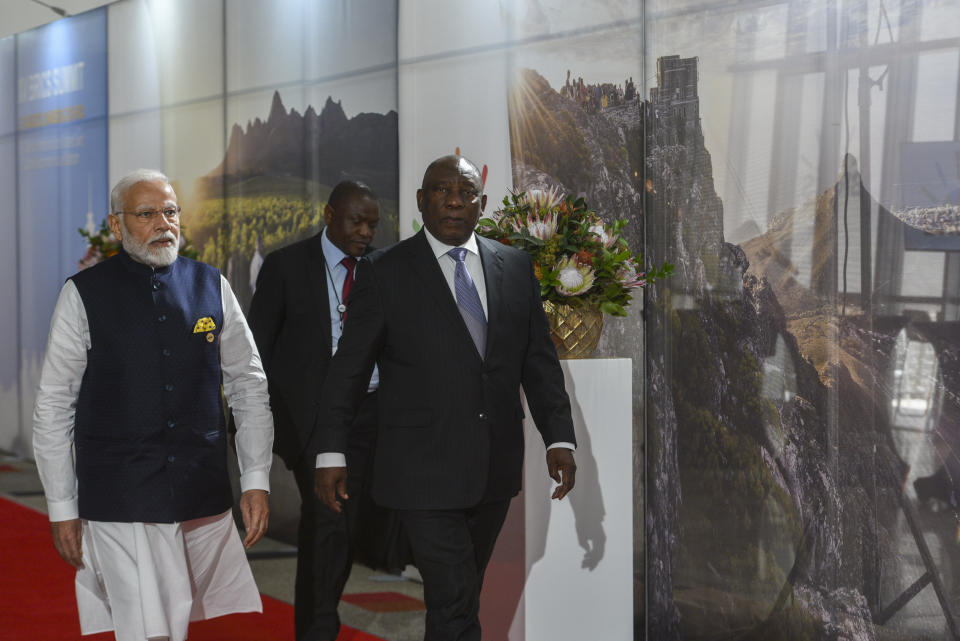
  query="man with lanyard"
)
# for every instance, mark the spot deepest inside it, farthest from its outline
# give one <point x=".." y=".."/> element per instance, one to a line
<point x="297" y="317"/>
<point x="139" y="346"/>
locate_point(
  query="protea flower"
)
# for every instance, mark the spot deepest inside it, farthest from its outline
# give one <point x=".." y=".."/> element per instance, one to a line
<point x="604" y="234"/>
<point x="629" y="277"/>
<point x="539" y="199"/>
<point x="575" y="279"/>
<point x="503" y="220"/>
<point x="543" y="228"/>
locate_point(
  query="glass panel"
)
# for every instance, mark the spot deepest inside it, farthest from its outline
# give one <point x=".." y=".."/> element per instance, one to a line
<point x="803" y="420"/>
<point x="934" y="119"/>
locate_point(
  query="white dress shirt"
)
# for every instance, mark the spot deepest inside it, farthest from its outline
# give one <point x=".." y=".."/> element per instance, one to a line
<point x="244" y="385"/>
<point x="336" y="275"/>
<point x="448" y="266"/>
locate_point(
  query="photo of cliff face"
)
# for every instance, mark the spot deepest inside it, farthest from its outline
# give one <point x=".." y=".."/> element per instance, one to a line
<point x="581" y="138"/>
<point x="274" y="179"/>
<point x="777" y="506"/>
<point x="584" y="139"/>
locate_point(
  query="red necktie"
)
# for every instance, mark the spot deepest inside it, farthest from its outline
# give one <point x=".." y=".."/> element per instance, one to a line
<point x="349" y="262"/>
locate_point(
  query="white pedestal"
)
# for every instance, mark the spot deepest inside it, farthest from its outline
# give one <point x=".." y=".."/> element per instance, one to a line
<point x="564" y="569"/>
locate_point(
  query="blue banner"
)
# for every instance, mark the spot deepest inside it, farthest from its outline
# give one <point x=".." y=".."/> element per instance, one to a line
<point x="61" y="161"/>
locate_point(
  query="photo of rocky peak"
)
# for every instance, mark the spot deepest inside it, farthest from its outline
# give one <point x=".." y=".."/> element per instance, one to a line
<point x="275" y="177"/>
<point x="320" y="147"/>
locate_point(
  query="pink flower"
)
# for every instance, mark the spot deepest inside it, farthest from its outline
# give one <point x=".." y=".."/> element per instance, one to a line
<point x="604" y="234"/>
<point x="543" y="228"/>
<point x="629" y="277"/>
<point x="539" y="200"/>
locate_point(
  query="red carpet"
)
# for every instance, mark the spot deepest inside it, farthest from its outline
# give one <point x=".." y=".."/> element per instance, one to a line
<point x="37" y="601"/>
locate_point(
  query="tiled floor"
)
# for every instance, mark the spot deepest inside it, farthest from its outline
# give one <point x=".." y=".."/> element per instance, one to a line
<point x="389" y="617"/>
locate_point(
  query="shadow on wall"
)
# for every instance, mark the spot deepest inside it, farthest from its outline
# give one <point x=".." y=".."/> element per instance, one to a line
<point x="517" y="556"/>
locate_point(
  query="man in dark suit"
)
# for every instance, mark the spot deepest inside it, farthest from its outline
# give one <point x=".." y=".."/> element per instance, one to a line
<point x="296" y="316"/>
<point x="455" y="324"/>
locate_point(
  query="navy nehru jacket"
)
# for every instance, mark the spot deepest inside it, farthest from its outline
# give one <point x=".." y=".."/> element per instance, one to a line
<point x="150" y="432"/>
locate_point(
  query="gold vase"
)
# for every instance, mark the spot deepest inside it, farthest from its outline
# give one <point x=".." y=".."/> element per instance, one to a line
<point x="574" y="330"/>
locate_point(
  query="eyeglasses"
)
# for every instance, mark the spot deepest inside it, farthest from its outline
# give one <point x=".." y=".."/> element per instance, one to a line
<point x="172" y="214"/>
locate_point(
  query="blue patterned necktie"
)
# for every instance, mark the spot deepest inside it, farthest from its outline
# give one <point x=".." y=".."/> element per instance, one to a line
<point x="468" y="300"/>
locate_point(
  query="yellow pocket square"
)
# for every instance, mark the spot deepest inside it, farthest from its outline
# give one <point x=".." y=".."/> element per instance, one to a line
<point x="204" y="324"/>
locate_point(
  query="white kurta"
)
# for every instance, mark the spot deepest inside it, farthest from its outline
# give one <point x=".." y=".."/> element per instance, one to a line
<point x="150" y="579"/>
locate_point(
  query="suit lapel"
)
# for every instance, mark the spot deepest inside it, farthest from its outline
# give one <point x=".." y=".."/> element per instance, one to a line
<point x="317" y="275"/>
<point x="493" y="280"/>
<point x="431" y="277"/>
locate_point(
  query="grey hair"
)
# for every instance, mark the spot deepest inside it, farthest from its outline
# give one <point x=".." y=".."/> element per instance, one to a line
<point x="119" y="192"/>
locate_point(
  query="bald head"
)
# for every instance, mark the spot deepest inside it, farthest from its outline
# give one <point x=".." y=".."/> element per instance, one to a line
<point x="451" y="199"/>
<point x="455" y="162"/>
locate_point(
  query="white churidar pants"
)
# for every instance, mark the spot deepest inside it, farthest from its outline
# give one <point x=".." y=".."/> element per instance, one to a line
<point x="149" y="580"/>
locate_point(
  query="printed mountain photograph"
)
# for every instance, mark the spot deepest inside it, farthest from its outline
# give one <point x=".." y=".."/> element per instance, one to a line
<point x="271" y="187"/>
<point x="786" y="413"/>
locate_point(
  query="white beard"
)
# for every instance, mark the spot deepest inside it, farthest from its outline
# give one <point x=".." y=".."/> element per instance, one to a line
<point x="152" y="256"/>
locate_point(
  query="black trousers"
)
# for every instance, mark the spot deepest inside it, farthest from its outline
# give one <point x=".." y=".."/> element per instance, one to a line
<point x="451" y="549"/>
<point x="324" y="539"/>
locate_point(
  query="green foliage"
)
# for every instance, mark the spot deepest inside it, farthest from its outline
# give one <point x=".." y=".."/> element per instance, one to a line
<point x="727" y="486"/>
<point x="569" y="242"/>
<point x="279" y="209"/>
<point x="226" y="227"/>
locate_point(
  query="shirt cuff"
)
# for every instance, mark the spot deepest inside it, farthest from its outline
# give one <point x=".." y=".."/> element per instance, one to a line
<point x="63" y="510"/>
<point x="255" y="480"/>
<point x="569" y="446"/>
<point x="331" y="459"/>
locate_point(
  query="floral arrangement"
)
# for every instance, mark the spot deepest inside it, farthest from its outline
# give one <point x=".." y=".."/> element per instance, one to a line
<point x="578" y="258"/>
<point x="102" y="244"/>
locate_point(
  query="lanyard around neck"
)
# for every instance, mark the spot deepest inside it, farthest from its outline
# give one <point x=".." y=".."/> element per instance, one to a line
<point x="341" y="305"/>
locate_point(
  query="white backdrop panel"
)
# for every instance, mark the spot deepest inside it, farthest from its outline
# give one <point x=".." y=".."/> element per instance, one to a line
<point x="164" y="52"/>
<point x="136" y="140"/>
<point x="563" y="570"/>
<point x="193" y="143"/>
<point x="449" y="103"/>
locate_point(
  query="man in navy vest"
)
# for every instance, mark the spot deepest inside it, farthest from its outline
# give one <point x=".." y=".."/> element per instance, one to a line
<point x="129" y="433"/>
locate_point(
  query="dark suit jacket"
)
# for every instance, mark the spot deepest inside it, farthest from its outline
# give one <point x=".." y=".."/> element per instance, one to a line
<point x="450" y="429"/>
<point x="290" y="320"/>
